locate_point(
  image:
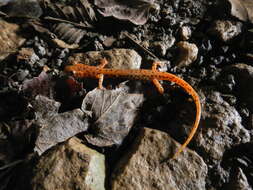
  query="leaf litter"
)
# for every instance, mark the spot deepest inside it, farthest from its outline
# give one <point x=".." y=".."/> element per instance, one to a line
<point x="108" y="114"/>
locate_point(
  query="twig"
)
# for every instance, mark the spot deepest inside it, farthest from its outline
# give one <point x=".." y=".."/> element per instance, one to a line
<point x="3" y="14"/>
<point x="84" y="25"/>
<point x="140" y="46"/>
<point x="11" y="164"/>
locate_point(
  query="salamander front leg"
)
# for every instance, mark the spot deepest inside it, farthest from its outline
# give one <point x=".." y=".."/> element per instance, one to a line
<point x="100" y="77"/>
<point x="100" y="81"/>
<point x="155" y="81"/>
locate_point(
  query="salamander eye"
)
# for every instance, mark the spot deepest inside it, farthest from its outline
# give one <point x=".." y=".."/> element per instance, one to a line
<point x="69" y="70"/>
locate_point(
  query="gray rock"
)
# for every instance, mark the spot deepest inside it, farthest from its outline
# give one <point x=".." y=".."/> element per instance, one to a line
<point x="69" y="166"/>
<point x="161" y="47"/>
<point x="143" y="167"/>
<point x="239" y="181"/>
<point x="25" y="8"/>
<point x="225" y="30"/>
<point x="243" y="76"/>
<point x="117" y="58"/>
<point x="220" y="128"/>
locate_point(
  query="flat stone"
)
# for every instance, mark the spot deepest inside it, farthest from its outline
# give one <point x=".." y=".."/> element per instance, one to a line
<point x="71" y="165"/>
<point x="117" y="58"/>
<point x="142" y="168"/>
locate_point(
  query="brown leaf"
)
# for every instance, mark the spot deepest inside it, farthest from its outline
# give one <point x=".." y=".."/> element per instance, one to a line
<point x="114" y="112"/>
<point x="136" y="11"/>
<point x="242" y="9"/>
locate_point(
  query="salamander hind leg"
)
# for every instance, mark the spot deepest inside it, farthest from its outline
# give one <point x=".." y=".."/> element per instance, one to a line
<point x="158" y="86"/>
<point x="154" y="66"/>
<point x="103" y="63"/>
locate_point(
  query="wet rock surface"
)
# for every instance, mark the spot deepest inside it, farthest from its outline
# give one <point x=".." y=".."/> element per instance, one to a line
<point x="146" y="165"/>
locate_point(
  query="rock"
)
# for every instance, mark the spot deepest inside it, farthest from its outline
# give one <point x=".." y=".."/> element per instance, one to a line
<point x="185" y="33"/>
<point x="108" y="41"/>
<point x="27" y="56"/>
<point x="242" y="9"/>
<point x="71" y="165"/>
<point x="142" y="167"/>
<point x="243" y="76"/>
<point x="10" y="40"/>
<point x="188" y="53"/>
<point x="117" y="58"/>
<point x="22" y="74"/>
<point x="239" y="181"/>
<point x="220" y="129"/>
<point x="161" y="47"/>
<point x="225" y="30"/>
<point x="24" y="8"/>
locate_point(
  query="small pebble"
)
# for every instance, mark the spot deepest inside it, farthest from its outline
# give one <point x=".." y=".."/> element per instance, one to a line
<point x="185" y="33"/>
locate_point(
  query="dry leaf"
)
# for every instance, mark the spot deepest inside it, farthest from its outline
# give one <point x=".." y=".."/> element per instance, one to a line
<point x="136" y="11"/>
<point x="80" y="14"/>
<point x="113" y="113"/>
<point x="24" y="8"/>
<point x="68" y="33"/>
<point x="242" y="9"/>
<point x="10" y="38"/>
<point x="56" y="127"/>
<point x="39" y="85"/>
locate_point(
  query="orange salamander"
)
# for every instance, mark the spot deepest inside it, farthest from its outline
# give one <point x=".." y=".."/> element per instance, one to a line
<point x="85" y="71"/>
